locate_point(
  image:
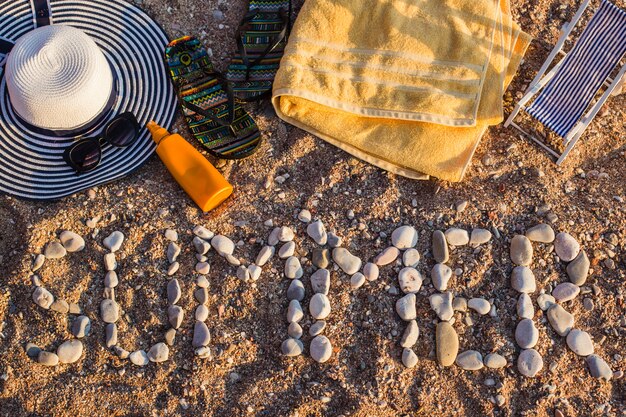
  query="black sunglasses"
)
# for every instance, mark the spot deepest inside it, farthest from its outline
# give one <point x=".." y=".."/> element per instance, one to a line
<point x="85" y="155"/>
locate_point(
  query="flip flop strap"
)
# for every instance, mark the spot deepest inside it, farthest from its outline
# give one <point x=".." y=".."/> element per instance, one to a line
<point x="209" y="113"/>
<point x="276" y="39"/>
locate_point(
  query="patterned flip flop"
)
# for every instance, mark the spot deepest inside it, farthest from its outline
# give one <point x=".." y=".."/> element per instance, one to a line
<point x="261" y="39"/>
<point x="207" y="100"/>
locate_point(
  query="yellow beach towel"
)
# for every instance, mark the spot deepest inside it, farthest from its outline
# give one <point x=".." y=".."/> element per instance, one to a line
<point x="409" y="86"/>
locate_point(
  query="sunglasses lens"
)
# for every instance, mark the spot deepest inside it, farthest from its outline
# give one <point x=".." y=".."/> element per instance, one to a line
<point x="121" y="132"/>
<point x="86" y="155"/>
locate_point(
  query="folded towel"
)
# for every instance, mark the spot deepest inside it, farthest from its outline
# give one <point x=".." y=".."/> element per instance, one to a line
<point x="407" y="86"/>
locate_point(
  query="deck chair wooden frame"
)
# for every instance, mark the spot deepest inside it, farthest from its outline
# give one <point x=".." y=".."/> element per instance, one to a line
<point x="540" y="81"/>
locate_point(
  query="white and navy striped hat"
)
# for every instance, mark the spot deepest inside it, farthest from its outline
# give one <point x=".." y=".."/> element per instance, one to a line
<point x="115" y="66"/>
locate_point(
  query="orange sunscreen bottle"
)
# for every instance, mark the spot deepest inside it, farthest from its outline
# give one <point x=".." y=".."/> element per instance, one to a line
<point x="204" y="184"/>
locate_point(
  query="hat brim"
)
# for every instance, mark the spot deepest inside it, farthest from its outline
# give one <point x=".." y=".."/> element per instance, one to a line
<point x="31" y="163"/>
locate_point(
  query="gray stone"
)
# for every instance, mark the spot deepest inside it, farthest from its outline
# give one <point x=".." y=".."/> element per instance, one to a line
<point x="470" y="360"/>
<point x="459" y="304"/>
<point x="111" y="280"/>
<point x="578" y="269"/>
<point x="159" y="353"/>
<point x="114" y="241"/>
<point x="317" y="232"/>
<point x="529" y="363"/>
<point x="409" y="358"/>
<point x="598" y="368"/>
<point x="321" y="257"/>
<point x="202" y="313"/>
<point x="560" y="319"/>
<point x="203" y="268"/>
<point x="405" y="307"/>
<point x="60" y="306"/>
<point x="255" y="271"/>
<point x="320" y="281"/>
<point x="294" y="330"/>
<point x="81" y="326"/>
<point x="202" y="282"/>
<point x="110" y="264"/>
<point x="109" y="311"/>
<point x="304" y="216"/>
<point x="442" y="305"/>
<point x="319" y="306"/>
<point x="173" y="291"/>
<point x="321" y="349"/>
<point x="201" y="295"/>
<point x="457" y="237"/>
<point x="48" y="358"/>
<point x="201" y="245"/>
<point x="525" y="309"/>
<point x="70" y="351"/>
<point x="387" y="256"/>
<point x="404" y="237"/>
<point x="170" y="336"/>
<point x="542" y="233"/>
<point x="495" y="361"/>
<point x="411" y="257"/>
<point x="175" y="315"/>
<point x="223" y="245"/>
<point x="440" y="247"/>
<point x="233" y="260"/>
<point x="357" y="280"/>
<point x="479" y="305"/>
<point x="287" y="250"/>
<point x="296" y="290"/>
<point x="54" y="250"/>
<point x="566" y="247"/>
<point x="440" y="275"/>
<point x="173" y="250"/>
<point x="410" y="335"/>
<point x="588" y="304"/>
<point x="294" y="312"/>
<point x="203" y="352"/>
<point x="111" y="334"/>
<point x="317" y="327"/>
<point x="526" y="334"/>
<point x="371" y="271"/>
<point x="410" y="280"/>
<point x="172" y="268"/>
<point x="243" y="273"/>
<point x="35" y="281"/>
<point x="72" y="242"/>
<point x="479" y="237"/>
<point x="579" y="342"/>
<point x="272" y="239"/>
<point x="545" y="301"/>
<point x="334" y="241"/>
<point x="349" y="263"/>
<point x="523" y="280"/>
<point x="285" y="234"/>
<point x="565" y="291"/>
<point x="139" y="358"/>
<point x="446" y="343"/>
<point x="171" y="235"/>
<point x="201" y="335"/>
<point x="32" y="350"/>
<point x="203" y="233"/>
<point x="521" y="250"/>
<point x="75" y="309"/>
<point x="292" y="347"/>
<point x="121" y="353"/>
<point x="38" y="262"/>
<point x="293" y="269"/>
<point x="43" y="298"/>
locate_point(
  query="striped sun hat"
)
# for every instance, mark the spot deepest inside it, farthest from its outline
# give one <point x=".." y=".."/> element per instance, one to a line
<point x="67" y="67"/>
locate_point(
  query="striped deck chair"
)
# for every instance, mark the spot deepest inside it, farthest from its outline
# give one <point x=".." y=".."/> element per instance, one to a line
<point x="566" y="97"/>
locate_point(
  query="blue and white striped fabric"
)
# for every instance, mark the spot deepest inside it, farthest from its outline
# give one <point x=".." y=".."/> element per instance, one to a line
<point x="562" y="102"/>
